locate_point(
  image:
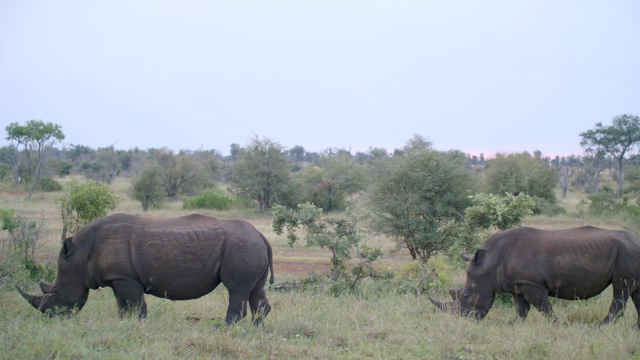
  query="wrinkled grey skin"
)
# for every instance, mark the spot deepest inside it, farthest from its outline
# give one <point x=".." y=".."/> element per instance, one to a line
<point x="534" y="265"/>
<point x="175" y="258"/>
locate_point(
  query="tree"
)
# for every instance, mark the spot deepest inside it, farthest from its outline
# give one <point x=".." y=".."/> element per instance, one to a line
<point x="83" y="203"/>
<point x="260" y="172"/>
<point x="36" y="138"/>
<point x="617" y="139"/>
<point x="423" y="189"/>
<point x="185" y="170"/>
<point x="565" y="167"/>
<point x="338" y="234"/>
<point x="331" y="180"/>
<point x="487" y="211"/>
<point x="521" y="173"/>
<point x="148" y="187"/>
<point x="296" y="154"/>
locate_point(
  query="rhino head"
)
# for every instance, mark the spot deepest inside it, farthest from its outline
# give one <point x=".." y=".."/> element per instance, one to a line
<point x="68" y="292"/>
<point x="477" y="296"/>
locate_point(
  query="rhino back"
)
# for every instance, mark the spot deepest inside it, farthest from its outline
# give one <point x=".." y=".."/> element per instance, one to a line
<point x="178" y="258"/>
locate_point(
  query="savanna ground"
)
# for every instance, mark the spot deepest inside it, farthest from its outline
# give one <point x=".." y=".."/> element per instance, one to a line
<point x="302" y="324"/>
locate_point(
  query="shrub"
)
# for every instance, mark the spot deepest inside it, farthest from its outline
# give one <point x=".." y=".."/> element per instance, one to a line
<point x="49" y="185"/>
<point x="83" y="203"/>
<point x="413" y="277"/>
<point x="148" y="189"/>
<point x="213" y="199"/>
<point x="18" y="261"/>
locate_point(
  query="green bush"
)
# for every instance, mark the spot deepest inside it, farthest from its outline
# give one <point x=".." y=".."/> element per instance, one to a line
<point x="49" y="185"/>
<point x="213" y="199"/>
<point x="411" y="275"/>
<point x="83" y="203"/>
<point x="546" y="207"/>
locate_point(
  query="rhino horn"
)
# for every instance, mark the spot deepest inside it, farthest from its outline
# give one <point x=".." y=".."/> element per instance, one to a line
<point x="439" y="304"/>
<point x="35" y="301"/>
<point x="466" y="257"/>
<point x="46" y="288"/>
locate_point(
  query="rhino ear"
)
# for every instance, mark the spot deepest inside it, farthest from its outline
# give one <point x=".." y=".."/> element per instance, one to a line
<point x="479" y="257"/>
<point x="68" y="246"/>
<point x="466" y="257"/>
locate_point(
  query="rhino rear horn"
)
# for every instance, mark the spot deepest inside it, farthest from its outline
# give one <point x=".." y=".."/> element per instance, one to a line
<point x="466" y="257"/>
<point x="455" y="294"/>
<point x="46" y="288"/>
<point x="35" y="301"/>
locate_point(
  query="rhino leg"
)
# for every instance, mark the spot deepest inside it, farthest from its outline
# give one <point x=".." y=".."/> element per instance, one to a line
<point x="237" y="306"/>
<point x="537" y="297"/>
<point x="522" y="306"/>
<point x="635" y="296"/>
<point x="259" y="305"/>
<point x="616" y="310"/>
<point x="130" y="298"/>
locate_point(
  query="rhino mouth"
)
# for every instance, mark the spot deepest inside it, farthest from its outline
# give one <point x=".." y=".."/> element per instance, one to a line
<point x="40" y="303"/>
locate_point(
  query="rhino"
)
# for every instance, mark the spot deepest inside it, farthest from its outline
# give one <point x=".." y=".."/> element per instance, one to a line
<point x="178" y="258"/>
<point x="534" y="265"/>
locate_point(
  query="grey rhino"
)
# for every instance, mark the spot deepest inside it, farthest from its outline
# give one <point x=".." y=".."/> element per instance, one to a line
<point x="534" y="264"/>
<point x="175" y="258"/>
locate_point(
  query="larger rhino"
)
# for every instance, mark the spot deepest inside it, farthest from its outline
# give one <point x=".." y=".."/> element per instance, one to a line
<point x="534" y="265"/>
<point x="175" y="258"/>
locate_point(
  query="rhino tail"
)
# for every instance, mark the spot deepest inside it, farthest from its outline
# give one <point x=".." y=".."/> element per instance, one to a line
<point x="272" y="280"/>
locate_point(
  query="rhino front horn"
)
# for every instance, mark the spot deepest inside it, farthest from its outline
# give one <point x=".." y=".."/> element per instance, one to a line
<point x="440" y="305"/>
<point x="35" y="301"/>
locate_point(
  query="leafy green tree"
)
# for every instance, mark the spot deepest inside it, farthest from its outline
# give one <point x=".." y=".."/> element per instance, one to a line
<point x="331" y="180"/>
<point x="521" y="173"/>
<point x="338" y="234"/>
<point x="36" y="138"/>
<point x="260" y="172"/>
<point x="148" y="187"/>
<point x="84" y="202"/>
<point x="423" y="189"/>
<point x="297" y="154"/>
<point x="618" y="140"/>
<point x="487" y="212"/>
<point x="181" y="172"/>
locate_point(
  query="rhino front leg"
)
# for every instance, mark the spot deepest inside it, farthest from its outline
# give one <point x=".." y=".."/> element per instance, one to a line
<point x="237" y="306"/>
<point x="522" y="306"/>
<point x="616" y="310"/>
<point x="130" y="298"/>
<point x="539" y="298"/>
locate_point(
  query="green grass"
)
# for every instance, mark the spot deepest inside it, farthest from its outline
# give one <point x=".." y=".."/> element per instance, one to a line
<point x="306" y="325"/>
<point x="376" y="325"/>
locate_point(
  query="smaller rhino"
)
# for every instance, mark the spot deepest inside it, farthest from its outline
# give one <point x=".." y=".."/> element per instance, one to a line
<point x="533" y="265"/>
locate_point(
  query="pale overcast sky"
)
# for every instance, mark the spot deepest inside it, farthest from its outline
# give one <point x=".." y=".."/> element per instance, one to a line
<point x="478" y="76"/>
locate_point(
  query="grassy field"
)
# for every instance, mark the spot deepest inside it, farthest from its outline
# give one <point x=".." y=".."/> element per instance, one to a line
<point x="378" y="325"/>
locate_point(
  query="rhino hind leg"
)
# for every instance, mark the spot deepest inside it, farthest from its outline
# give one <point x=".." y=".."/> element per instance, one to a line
<point x="130" y="298"/>
<point x="259" y="305"/>
<point x="237" y="306"/>
<point x="635" y="296"/>
<point x="616" y="310"/>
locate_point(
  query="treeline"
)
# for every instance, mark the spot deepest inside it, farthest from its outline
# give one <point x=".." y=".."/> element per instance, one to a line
<point x="262" y="172"/>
